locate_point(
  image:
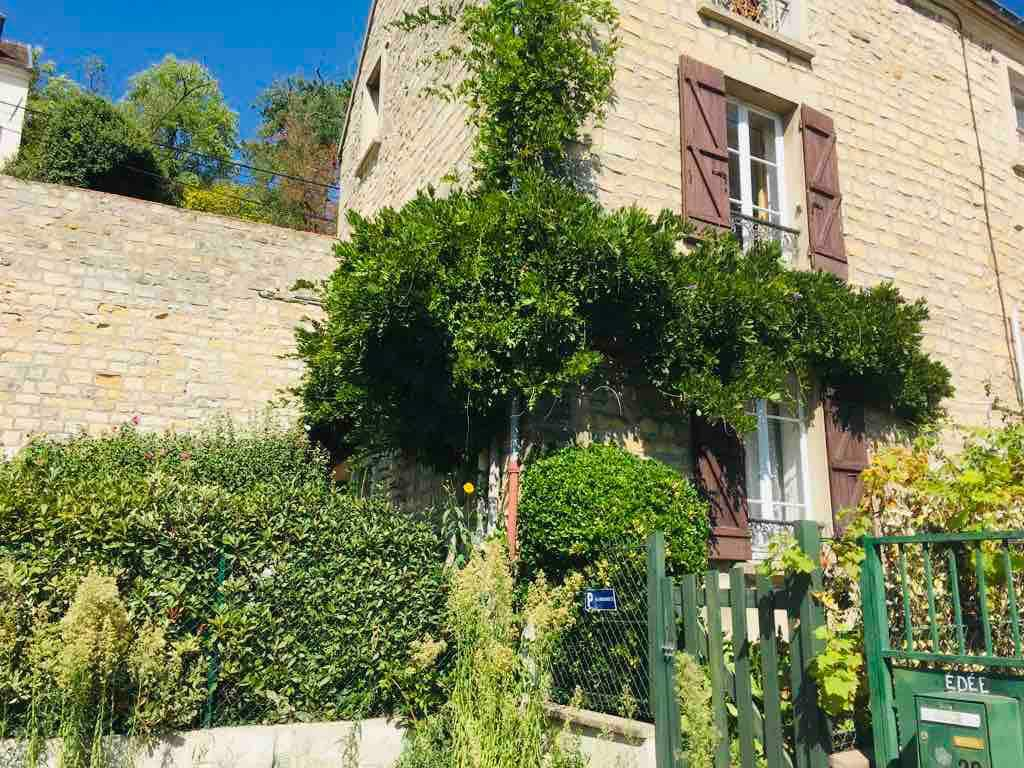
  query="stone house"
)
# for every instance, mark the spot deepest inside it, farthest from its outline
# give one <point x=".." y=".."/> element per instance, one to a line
<point x="15" y="73"/>
<point x="876" y="139"/>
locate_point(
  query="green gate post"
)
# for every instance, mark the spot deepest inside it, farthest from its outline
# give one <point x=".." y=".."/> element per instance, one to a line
<point x="810" y="722"/>
<point x="661" y="633"/>
<point x="876" y="640"/>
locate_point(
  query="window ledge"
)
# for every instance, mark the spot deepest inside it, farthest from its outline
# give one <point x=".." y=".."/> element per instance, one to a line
<point x="752" y="28"/>
<point x="369" y="157"/>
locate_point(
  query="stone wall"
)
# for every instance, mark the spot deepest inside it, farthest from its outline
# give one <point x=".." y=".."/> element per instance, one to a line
<point x="607" y="741"/>
<point x="112" y="307"/>
<point x="892" y="77"/>
<point x="917" y="209"/>
<point x="421" y="138"/>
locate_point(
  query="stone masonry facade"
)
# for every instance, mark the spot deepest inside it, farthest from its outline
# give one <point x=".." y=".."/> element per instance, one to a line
<point x="931" y="164"/>
<point x="112" y="308"/>
<point x="891" y="74"/>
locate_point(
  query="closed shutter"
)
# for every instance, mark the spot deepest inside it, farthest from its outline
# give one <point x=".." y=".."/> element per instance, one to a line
<point x="847" y="457"/>
<point x="721" y="475"/>
<point x="704" y="138"/>
<point x="824" y="202"/>
<point x="844" y="422"/>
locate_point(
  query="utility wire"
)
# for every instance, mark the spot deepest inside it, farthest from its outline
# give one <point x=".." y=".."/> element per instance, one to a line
<point x="172" y="148"/>
<point x="219" y="193"/>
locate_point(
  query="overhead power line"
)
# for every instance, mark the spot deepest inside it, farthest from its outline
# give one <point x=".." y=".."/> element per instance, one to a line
<point x="172" y="148"/>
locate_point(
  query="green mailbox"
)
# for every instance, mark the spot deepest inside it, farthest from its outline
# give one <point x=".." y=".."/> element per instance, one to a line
<point x="968" y="730"/>
<point x="944" y="641"/>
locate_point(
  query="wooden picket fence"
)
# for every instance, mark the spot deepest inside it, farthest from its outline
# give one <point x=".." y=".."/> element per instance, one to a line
<point x="695" y="607"/>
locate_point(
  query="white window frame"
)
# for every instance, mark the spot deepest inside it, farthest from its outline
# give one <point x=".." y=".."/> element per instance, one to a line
<point x="1018" y="107"/>
<point x="767" y="504"/>
<point x="746" y="200"/>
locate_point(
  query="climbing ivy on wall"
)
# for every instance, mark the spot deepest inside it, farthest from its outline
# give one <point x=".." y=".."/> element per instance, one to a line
<point x="442" y="310"/>
<point x="531" y="74"/>
<point x="520" y="284"/>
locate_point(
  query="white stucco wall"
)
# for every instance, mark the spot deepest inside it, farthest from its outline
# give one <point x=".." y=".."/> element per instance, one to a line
<point x="13" y="90"/>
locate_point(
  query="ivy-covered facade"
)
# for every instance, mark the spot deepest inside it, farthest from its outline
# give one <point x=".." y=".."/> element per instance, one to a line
<point x="857" y="137"/>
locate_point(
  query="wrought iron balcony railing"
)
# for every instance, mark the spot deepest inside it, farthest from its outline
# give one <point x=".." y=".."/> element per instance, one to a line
<point x="768" y="13"/>
<point x="749" y="229"/>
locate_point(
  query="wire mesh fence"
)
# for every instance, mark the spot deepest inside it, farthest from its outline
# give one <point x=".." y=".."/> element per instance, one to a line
<point x="602" y="665"/>
<point x="196" y="181"/>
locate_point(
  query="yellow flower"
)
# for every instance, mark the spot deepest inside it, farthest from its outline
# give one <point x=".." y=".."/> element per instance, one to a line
<point x="469" y="488"/>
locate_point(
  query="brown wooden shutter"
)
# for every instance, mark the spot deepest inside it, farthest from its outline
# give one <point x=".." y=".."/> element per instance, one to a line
<point x="847" y="458"/>
<point x="824" y="202"/>
<point x="704" y="138"/>
<point x="721" y="474"/>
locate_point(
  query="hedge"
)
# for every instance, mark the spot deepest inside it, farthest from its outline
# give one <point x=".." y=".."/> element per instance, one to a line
<point x="323" y="592"/>
<point x="579" y="502"/>
<point x="84" y="141"/>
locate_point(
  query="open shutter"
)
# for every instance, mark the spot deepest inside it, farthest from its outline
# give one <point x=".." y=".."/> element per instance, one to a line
<point x="721" y="475"/>
<point x="824" y="202"/>
<point x="704" y="137"/>
<point x="847" y="458"/>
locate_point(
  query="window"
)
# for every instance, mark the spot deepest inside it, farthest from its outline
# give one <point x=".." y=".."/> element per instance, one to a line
<point x="372" y="117"/>
<point x="776" y="467"/>
<point x="1018" y="107"/>
<point x="773" y="14"/>
<point x="371" y="120"/>
<point x="755" y="163"/>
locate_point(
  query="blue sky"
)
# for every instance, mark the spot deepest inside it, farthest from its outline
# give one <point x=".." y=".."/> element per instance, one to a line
<point x="245" y="44"/>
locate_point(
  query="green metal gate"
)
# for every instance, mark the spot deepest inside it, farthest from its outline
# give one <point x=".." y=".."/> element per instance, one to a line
<point x="941" y="615"/>
<point x="755" y="622"/>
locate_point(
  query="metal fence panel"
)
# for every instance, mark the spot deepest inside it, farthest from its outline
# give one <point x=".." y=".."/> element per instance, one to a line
<point x="602" y="664"/>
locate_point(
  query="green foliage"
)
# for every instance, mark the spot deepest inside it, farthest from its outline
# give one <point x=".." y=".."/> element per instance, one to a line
<point x="920" y="488"/>
<point x="696" y="716"/>
<point x="179" y="104"/>
<point x="785" y="557"/>
<point x="92" y="674"/>
<point x="577" y="501"/>
<point x="496" y="716"/>
<point x="443" y="312"/>
<point x="535" y="71"/>
<point x="440" y="312"/>
<point x="299" y="136"/>
<point x="324" y="593"/>
<point x="837" y="670"/>
<point x="81" y="140"/>
<point x="227" y="199"/>
<point x="320" y="102"/>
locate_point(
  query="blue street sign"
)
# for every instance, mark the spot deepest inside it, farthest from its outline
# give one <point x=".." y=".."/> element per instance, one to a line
<point x="600" y="600"/>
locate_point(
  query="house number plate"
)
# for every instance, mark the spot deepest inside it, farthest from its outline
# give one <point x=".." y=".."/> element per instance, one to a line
<point x="946" y="717"/>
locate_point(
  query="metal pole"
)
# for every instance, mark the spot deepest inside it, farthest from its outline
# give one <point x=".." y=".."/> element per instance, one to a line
<point x="512" y="493"/>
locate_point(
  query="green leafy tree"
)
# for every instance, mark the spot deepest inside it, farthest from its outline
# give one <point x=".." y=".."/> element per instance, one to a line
<point x="440" y="312"/>
<point x="321" y="102"/>
<point x="444" y="312"/>
<point x="81" y="140"/>
<point x="179" y="104"/>
<point x="299" y="136"/>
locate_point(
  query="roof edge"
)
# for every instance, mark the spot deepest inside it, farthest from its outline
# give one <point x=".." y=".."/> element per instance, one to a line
<point x="1007" y="15"/>
<point x="355" y="84"/>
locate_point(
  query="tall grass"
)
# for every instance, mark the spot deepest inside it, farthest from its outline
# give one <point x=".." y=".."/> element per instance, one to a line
<point x="495" y="716"/>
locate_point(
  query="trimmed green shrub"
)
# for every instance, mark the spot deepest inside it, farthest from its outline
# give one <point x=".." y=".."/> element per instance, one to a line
<point x="578" y="502"/>
<point x="83" y="141"/>
<point x="323" y="593"/>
